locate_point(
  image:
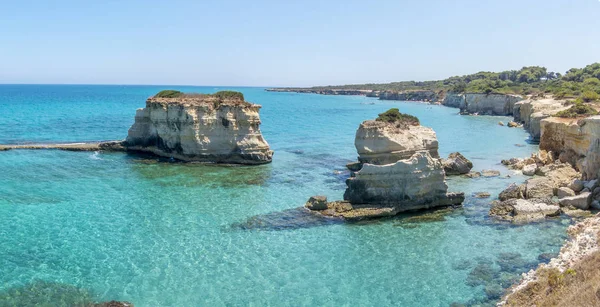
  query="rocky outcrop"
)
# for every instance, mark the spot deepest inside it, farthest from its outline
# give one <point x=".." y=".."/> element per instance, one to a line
<point x="584" y="242"/>
<point x="203" y="128"/>
<point x="574" y="141"/>
<point x="382" y="143"/>
<point x="482" y="104"/>
<point x="399" y="170"/>
<point x="530" y="112"/>
<point x="524" y="211"/>
<point x="321" y="91"/>
<point x="457" y="164"/>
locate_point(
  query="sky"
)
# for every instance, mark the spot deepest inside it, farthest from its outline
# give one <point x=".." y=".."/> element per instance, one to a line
<point x="288" y="43"/>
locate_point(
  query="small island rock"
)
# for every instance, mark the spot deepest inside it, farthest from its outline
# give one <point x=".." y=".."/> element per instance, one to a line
<point x="457" y="164"/>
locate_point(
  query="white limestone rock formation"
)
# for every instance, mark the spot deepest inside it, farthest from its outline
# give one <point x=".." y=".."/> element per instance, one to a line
<point x="219" y="128"/>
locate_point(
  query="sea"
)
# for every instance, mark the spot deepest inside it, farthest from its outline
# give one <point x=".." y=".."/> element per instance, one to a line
<point x="84" y="227"/>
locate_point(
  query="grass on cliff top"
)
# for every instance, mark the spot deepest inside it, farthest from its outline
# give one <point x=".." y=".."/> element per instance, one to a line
<point x="577" y="286"/>
<point x="222" y="95"/>
<point x="394" y="116"/>
<point x="579" y="109"/>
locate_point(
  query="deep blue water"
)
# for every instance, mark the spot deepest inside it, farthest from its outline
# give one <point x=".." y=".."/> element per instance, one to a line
<point x="111" y="226"/>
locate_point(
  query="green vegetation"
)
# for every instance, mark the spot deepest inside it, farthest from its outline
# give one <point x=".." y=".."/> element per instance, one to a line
<point x="229" y="95"/>
<point x="581" y="83"/>
<point x="222" y="95"/>
<point x="168" y="94"/>
<point x="579" y="109"/>
<point x="394" y="116"/>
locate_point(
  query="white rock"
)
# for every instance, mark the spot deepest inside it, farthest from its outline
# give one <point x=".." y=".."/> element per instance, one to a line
<point x="529" y="170"/>
<point x="581" y="201"/>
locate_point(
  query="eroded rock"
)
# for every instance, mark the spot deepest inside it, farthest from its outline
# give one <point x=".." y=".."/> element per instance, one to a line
<point x="457" y="164"/>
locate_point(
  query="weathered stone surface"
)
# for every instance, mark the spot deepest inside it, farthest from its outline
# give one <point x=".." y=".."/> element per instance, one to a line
<point x="576" y="141"/>
<point x="383" y="143"/>
<point x="563" y="192"/>
<point x="576" y="185"/>
<point x="473" y="175"/>
<point x="530" y="112"/>
<point x="523" y="211"/>
<point x="539" y="188"/>
<point x="591" y="185"/>
<point x="490" y="173"/>
<point x="316" y="203"/>
<point x="200" y="128"/>
<point x="513" y="191"/>
<point x="457" y="164"/>
<point x="482" y="195"/>
<point x="483" y="104"/>
<point x="581" y="201"/>
<point x="414" y="183"/>
<point x="529" y="170"/>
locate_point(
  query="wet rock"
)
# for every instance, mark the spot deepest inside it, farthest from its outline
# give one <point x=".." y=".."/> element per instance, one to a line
<point x="354" y="166"/>
<point x="581" y="201"/>
<point x="595" y="205"/>
<point x="457" y="164"/>
<point x="500" y="124"/>
<point x="316" y="203"/>
<point x="546" y="257"/>
<point x="574" y="212"/>
<point x="563" y="192"/>
<point x="490" y="173"/>
<point x="513" y="191"/>
<point x="482" y="195"/>
<point x="512" y="124"/>
<point x="529" y="170"/>
<point x="114" y="304"/>
<point x="473" y="175"/>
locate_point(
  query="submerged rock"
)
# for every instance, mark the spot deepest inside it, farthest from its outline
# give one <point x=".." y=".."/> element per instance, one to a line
<point x="523" y="211"/>
<point x="490" y="173"/>
<point x="204" y="128"/>
<point x="457" y="164"/>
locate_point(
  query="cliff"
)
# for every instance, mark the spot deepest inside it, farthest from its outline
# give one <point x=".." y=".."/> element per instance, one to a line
<point x="482" y="104"/>
<point x="530" y="112"/>
<point x="574" y="141"/>
<point x="202" y="128"/>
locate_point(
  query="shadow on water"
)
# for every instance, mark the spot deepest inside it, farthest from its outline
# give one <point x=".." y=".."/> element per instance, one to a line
<point x="289" y="219"/>
<point x="44" y="293"/>
<point x="165" y="172"/>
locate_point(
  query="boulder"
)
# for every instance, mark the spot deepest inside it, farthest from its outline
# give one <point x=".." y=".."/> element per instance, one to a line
<point x="576" y="185"/>
<point x="473" y="175"/>
<point x="457" y="164"/>
<point x="500" y="124"/>
<point x="513" y="191"/>
<point x="316" y="203"/>
<point x="512" y="124"/>
<point x="539" y="187"/>
<point x="581" y="201"/>
<point x="529" y="170"/>
<point x="591" y="184"/>
<point x="482" y="195"/>
<point x="563" y="192"/>
<point x="595" y="205"/>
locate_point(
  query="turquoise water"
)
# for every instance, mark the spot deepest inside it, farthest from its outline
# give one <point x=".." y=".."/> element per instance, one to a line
<point x="110" y="226"/>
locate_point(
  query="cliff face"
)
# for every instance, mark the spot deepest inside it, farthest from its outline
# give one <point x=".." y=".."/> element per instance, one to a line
<point x="531" y="112"/>
<point x="575" y="141"/>
<point x="202" y="128"/>
<point x="400" y="168"/>
<point x="383" y="143"/>
<point x="483" y="104"/>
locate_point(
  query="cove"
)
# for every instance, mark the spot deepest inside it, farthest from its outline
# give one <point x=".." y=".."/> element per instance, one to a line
<point x="133" y="228"/>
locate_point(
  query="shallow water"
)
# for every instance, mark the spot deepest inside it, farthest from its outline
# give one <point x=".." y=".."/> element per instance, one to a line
<point x="110" y="226"/>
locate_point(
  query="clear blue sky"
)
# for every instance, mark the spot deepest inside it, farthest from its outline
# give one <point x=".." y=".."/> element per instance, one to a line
<point x="288" y="43"/>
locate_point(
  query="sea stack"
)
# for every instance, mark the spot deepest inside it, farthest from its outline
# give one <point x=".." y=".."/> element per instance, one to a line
<point x="217" y="128"/>
<point x="398" y="170"/>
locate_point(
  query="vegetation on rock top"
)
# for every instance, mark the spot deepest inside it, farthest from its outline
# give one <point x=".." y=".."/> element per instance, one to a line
<point x="579" y="109"/>
<point x="221" y="95"/>
<point x="394" y="116"/>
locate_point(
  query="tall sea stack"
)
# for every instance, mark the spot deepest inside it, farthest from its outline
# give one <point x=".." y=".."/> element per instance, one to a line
<point x="218" y="128"/>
